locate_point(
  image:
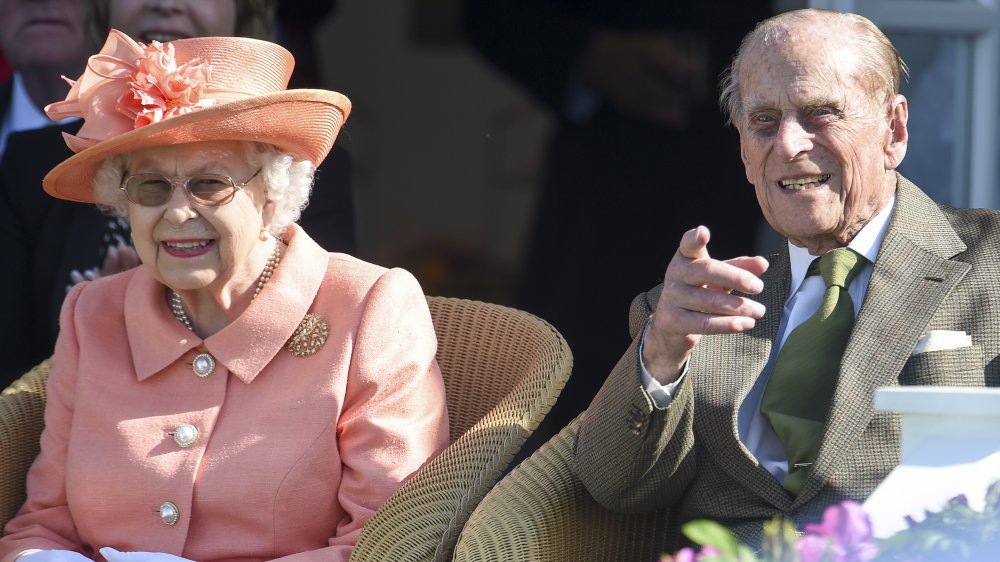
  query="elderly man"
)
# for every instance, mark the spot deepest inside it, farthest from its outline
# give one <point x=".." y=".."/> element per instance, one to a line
<point x="748" y="391"/>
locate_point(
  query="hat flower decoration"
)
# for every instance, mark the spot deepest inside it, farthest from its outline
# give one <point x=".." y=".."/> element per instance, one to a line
<point x="159" y="89"/>
<point x="130" y="85"/>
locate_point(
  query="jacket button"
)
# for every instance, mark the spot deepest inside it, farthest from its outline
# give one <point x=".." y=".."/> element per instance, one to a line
<point x="185" y="435"/>
<point x="169" y="513"/>
<point x="203" y="365"/>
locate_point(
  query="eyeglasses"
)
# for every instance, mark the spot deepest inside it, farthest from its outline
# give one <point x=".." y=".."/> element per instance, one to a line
<point x="209" y="190"/>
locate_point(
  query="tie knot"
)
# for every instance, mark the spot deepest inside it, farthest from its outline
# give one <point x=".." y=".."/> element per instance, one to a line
<point x="839" y="267"/>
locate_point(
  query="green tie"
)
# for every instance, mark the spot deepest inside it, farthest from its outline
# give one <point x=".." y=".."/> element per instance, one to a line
<point x="798" y="394"/>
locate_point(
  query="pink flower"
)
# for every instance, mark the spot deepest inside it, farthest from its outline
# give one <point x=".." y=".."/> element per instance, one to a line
<point x="707" y="552"/>
<point x="845" y="533"/>
<point x="685" y="554"/>
<point x="158" y="89"/>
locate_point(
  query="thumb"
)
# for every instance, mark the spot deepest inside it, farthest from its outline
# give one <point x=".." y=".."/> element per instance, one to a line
<point x="694" y="243"/>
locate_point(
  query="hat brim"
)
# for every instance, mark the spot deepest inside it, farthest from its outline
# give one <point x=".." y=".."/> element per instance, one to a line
<point x="304" y="123"/>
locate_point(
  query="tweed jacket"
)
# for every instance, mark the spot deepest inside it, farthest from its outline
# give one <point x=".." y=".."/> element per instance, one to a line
<point x="293" y="454"/>
<point x="936" y="270"/>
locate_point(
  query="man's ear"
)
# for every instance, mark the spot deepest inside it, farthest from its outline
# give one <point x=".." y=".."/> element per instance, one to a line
<point x="897" y="135"/>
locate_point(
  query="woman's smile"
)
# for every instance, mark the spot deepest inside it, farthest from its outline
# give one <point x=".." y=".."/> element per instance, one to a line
<point x="187" y="248"/>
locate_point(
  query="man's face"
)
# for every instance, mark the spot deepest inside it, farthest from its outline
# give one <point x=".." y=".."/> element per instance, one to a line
<point x="816" y="143"/>
<point x="42" y="32"/>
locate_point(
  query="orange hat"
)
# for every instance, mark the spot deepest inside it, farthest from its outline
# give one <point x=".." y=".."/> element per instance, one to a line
<point x="134" y="96"/>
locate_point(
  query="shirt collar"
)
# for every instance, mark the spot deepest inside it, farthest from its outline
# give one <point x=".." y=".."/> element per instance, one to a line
<point x="24" y="114"/>
<point x="246" y="345"/>
<point x="866" y="243"/>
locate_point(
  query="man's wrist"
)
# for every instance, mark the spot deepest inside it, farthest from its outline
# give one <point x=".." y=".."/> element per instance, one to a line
<point x="654" y="358"/>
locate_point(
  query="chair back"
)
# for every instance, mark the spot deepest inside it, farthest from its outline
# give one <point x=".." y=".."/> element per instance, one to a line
<point x="503" y="369"/>
<point x="22" y="417"/>
<point x="541" y="512"/>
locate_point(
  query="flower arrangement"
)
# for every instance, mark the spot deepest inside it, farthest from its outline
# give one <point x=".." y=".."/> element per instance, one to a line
<point x="955" y="533"/>
<point x="159" y="89"/>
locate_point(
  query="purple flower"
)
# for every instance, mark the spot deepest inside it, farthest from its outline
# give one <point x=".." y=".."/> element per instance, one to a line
<point x="813" y="548"/>
<point x="847" y="532"/>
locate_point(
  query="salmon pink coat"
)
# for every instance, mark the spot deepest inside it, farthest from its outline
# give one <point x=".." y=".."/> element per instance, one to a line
<point x="292" y="455"/>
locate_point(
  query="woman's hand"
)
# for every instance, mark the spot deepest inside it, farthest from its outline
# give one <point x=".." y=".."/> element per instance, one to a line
<point x="120" y="257"/>
<point x="112" y="555"/>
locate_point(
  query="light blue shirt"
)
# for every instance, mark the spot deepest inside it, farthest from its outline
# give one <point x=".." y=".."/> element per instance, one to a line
<point x="805" y="295"/>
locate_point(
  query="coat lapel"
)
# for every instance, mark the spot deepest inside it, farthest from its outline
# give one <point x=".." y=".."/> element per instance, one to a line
<point x="912" y="276"/>
<point x="736" y="362"/>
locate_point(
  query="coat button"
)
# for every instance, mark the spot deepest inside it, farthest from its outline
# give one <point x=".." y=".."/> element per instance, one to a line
<point x="169" y="513"/>
<point x="203" y="365"/>
<point x="185" y="435"/>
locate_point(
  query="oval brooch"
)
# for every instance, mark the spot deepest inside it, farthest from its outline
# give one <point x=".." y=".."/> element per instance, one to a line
<point x="309" y="336"/>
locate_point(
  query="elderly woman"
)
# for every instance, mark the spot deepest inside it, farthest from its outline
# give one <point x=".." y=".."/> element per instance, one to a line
<point x="242" y="394"/>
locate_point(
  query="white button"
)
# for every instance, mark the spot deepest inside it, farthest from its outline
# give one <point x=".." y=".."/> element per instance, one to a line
<point x="185" y="435"/>
<point x="203" y="365"/>
<point x="169" y="513"/>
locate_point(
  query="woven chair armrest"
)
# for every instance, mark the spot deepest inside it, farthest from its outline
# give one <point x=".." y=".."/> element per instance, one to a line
<point x="422" y="520"/>
<point x="22" y="417"/>
<point x="542" y="512"/>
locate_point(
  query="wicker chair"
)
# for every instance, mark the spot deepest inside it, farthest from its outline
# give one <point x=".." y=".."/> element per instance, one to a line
<point x="541" y="512"/>
<point x="503" y="370"/>
<point x="22" y="406"/>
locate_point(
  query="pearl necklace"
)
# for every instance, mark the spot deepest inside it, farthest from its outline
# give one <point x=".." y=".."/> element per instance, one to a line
<point x="177" y="305"/>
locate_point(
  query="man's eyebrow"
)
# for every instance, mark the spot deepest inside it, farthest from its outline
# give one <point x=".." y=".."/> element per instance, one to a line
<point x="752" y="105"/>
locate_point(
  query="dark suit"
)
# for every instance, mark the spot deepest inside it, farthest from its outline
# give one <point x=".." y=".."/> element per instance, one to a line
<point x="936" y="270"/>
<point x="6" y="92"/>
<point x="615" y="187"/>
<point x="48" y="238"/>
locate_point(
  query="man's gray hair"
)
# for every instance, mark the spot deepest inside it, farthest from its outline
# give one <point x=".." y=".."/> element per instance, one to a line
<point x="884" y="67"/>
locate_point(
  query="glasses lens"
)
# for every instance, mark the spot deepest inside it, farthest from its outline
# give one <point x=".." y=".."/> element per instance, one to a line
<point x="148" y="190"/>
<point x="211" y="189"/>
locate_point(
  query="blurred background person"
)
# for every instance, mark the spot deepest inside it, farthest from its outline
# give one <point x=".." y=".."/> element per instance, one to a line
<point x="41" y="40"/>
<point x="639" y="147"/>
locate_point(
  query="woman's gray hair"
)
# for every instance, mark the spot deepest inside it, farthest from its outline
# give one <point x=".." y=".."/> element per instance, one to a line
<point x="884" y="67"/>
<point x="287" y="182"/>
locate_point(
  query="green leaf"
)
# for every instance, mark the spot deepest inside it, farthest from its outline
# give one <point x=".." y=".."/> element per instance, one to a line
<point x="710" y="533"/>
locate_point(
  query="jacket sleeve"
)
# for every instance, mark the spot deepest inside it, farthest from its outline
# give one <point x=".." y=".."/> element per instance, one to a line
<point x="629" y="455"/>
<point x="394" y="418"/>
<point x="44" y="521"/>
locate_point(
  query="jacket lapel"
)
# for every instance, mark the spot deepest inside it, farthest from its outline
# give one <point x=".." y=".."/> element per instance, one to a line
<point x="736" y="362"/>
<point x="912" y="276"/>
